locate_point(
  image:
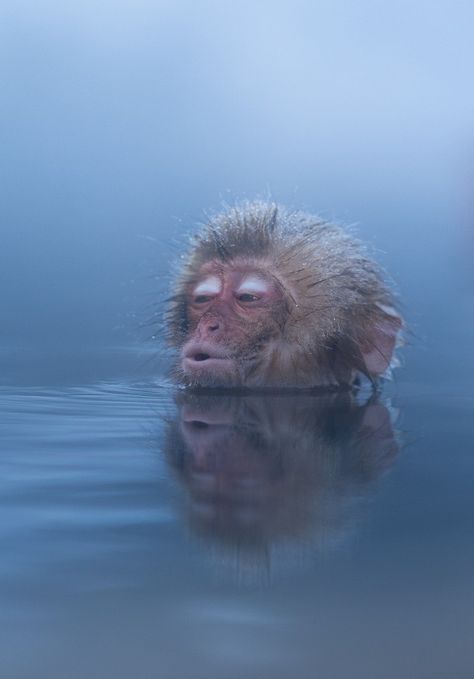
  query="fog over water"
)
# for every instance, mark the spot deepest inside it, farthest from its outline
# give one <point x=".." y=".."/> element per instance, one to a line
<point x="146" y="532"/>
<point x="123" y="121"/>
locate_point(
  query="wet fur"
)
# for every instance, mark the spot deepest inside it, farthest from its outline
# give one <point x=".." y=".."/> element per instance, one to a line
<point x="335" y="295"/>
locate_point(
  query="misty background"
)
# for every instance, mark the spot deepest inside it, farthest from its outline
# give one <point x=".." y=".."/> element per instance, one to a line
<point x="145" y="531"/>
<point x="122" y="123"/>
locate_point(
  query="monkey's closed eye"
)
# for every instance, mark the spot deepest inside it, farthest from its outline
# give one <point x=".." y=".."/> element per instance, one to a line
<point x="201" y="299"/>
<point x="247" y="297"/>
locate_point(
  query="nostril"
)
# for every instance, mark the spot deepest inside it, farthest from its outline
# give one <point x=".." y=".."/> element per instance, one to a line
<point x="214" y="326"/>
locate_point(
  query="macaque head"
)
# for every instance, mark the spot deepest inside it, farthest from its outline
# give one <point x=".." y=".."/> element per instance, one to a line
<point x="269" y="298"/>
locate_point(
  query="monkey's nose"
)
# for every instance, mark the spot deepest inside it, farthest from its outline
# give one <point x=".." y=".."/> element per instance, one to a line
<point x="210" y="324"/>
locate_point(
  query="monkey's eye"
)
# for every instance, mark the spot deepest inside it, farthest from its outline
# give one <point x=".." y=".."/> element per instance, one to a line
<point x="247" y="297"/>
<point x="201" y="299"/>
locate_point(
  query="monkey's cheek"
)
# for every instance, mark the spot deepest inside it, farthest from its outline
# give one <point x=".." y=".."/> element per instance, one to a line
<point x="210" y="372"/>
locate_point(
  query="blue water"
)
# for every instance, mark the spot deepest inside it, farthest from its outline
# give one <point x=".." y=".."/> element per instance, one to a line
<point x="148" y="533"/>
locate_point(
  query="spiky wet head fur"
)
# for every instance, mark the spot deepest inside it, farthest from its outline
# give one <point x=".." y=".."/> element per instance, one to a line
<point x="338" y="315"/>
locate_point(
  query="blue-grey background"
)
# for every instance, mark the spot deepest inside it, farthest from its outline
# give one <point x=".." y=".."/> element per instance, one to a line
<point x="125" y="528"/>
<point x="122" y="122"/>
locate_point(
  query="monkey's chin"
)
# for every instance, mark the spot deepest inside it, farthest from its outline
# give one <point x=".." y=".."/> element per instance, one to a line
<point x="211" y="372"/>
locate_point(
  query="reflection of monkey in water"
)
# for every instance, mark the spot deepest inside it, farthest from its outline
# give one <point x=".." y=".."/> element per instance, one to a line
<point x="268" y="297"/>
<point x="260" y="469"/>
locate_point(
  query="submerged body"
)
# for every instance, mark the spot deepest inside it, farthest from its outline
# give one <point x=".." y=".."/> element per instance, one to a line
<point x="273" y="298"/>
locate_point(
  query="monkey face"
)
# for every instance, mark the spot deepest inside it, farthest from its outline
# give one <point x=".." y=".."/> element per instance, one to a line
<point x="272" y="298"/>
<point x="258" y="470"/>
<point x="233" y="311"/>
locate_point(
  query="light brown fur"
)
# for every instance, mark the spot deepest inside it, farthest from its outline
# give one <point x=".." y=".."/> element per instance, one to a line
<point x="336" y="317"/>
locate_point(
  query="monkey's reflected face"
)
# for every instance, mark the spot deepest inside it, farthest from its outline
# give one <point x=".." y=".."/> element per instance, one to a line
<point x="258" y="468"/>
<point x="233" y="312"/>
<point x="239" y="476"/>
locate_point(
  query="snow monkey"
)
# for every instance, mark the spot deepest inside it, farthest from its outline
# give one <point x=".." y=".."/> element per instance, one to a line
<point x="268" y="297"/>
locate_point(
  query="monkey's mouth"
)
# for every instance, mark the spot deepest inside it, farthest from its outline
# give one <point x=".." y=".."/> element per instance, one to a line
<point x="204" y="357"/>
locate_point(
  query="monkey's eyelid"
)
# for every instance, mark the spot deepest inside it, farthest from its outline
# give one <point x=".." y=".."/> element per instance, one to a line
<point x="253" y="285"/>
<point x="210" y="286"/>
<point x="244" y="290"/>
<point x="201" y="299"/>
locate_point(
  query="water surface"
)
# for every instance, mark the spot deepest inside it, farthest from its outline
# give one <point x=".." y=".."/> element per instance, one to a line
<point x="146" y="532"/>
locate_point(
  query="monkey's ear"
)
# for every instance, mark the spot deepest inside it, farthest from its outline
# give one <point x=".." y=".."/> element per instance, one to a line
<point x="377" y="350"/>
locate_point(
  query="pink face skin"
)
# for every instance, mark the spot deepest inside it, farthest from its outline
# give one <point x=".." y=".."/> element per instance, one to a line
<point x="240" y="474"/>
<point x="224" y="303"/>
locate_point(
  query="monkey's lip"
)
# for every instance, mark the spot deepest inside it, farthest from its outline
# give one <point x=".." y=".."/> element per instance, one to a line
<point x="203" y="356"/>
